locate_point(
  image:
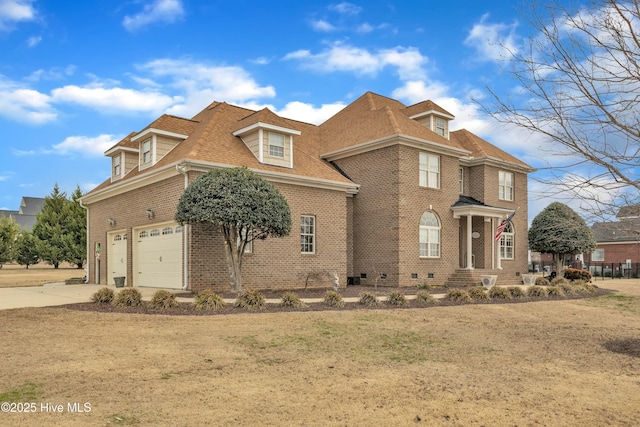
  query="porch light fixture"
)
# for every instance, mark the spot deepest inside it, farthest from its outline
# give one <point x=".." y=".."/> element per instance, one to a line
<point x="150" y="213"/>
<point x="112" y="221"/>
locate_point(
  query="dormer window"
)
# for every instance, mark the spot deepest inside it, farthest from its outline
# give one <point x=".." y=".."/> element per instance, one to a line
<point x="146" y="151"/>
<point x="276" y="145"/>
<point x="441" y="126"/>
<point x="117" y="170"/>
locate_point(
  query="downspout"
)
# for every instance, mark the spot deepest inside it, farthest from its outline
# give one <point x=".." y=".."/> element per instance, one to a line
<point x="86" y="279"/>
<point x="182" y="168"/>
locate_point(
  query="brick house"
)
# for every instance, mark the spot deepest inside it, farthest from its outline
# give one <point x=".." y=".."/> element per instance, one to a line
<point x="379" y="193"/>
<point x="618" y="241"/>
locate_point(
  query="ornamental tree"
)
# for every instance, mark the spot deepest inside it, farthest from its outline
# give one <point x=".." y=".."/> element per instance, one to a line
<point x="8" y="233"/>
<point x="560" y="231"/>
<point x="241" y="206"/>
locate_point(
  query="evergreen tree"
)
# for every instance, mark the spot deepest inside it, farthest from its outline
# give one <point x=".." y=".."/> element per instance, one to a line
<point x="8" y="232"/>
<point x="75" y="227"/>
<point x="26" y="252"/>
<point x="49" y="229"/>
<point x="241" y="205"/>
<point x="560" y="231"/>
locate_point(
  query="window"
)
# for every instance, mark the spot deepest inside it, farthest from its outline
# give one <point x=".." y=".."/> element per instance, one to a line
<point x="505" y="185"/>
<point x="440" y="126"/>
<point x="307" y="234"/>
<point x="276" y="145"/>
<point x="117" y="238"/>
<point x="146" y="151"/>
<point x="429" y="235"/>
<point x="143" y="234"/>
<point x="461" y="180"/>
<point x="116" y="165"/>
<point x="167" y="230"/>
<point x="597" y="255"/>
<point x="154" y="232"/>
<point x="248" y="248"/>
<point x="429" y="170"/>
<point x="506" y="242"/>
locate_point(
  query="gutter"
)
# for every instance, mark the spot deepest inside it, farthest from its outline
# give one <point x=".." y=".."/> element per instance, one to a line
<point x="86" y="279"/>
<point x="182" y="168"/>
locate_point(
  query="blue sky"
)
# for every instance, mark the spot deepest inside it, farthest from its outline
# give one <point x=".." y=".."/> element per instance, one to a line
<point x="76" y="77"/>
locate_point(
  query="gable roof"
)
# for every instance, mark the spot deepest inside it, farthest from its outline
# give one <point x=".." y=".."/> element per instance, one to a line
<point x="480" y="148"/>
<point x="25" y="216"/>
<point x="617" y="231"/>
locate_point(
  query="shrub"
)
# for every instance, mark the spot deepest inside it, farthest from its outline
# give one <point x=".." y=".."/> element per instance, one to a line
<point x="478" y="294"/>
<point x="555" y="291"/>
<point x="458" y="296"/>
<point x="396" y="298"/>
<point x="208" y="300"/>
<point x="536" y="292"/>
<point x="516" y="292"/>
<point x="103" y="296"/>
<point x="558" y="281"/>
<point x="129" y="297"/>
<point x="333" y="299"/>
<point x="251" y="300"/>
<point x="568" y="289"/>
<point x="577" y="274"/>
<point x="291" y="300"/>
<point x="368" y="299"/>
<point x="425" y="298"/>
<point x="164" y="299"/>
<point x="498" y="292"/>
<point x="541" y="281"/>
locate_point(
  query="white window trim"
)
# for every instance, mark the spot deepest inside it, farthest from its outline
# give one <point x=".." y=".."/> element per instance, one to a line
<point x="269" y="145"/>
<point x="426" y="183"/>
<point x="428" y="229"/>
<point x="507" y="234"/>
<point x="312" y="234"/>
<point x="503" y="193"/>
<point x="461" y="180"/>
<point x="119" y="165"/>
<point x="151" y="142"/>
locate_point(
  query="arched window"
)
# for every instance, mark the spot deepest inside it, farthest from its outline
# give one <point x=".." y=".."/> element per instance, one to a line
<point x="429" y="235"/>
<point x="506" y="242"/>
<point x="167" y="230"/>
<point x="154" y="232"/>
<point x="143" y="234"/>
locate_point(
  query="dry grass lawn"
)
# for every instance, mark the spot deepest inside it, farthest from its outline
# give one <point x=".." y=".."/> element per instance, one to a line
<point x="549" y="363"/>
<point x="12" y="275"/>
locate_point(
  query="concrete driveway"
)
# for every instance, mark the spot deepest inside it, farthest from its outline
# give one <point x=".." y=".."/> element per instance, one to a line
<point x="53" y="294"/>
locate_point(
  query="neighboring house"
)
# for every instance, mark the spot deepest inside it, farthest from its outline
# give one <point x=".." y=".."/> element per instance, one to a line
<point x="25" y="216"/>
<point x="379" y="193"/>
<point x="618" y="241"/>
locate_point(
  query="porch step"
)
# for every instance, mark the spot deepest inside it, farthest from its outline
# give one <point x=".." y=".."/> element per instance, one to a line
<point x="464" y="277"/>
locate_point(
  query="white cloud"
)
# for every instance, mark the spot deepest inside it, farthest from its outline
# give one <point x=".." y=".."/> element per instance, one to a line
<point x="308" y="113"/>
<point x="493" y="42"/>
<point x="167" y="11"/>
<point x="25" y="105"/>
<point x="322" y="26"/>
<point x="114" y="99"/>
<point x="202" y="83"/>
<point x="342" y="57"/>
<point x="345" y="8"/>
<point x="33" y="41"/>
<point x="51" y="74"/>
<point x="87" y="146"/>
<point x="13" y="11"/>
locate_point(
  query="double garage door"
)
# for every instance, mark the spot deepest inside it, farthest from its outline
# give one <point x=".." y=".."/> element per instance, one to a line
<point x="157" y="261"/>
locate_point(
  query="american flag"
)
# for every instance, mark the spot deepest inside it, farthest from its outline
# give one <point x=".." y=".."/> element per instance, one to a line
<point x="503" y="224"/>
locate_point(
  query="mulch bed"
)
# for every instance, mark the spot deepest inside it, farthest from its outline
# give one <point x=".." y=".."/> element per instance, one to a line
<point x="187" y="309"/>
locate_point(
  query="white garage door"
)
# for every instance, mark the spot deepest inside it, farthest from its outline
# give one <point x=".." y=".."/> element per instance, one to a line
<point x="158" y="256"/>
<point x="116" y="256"/>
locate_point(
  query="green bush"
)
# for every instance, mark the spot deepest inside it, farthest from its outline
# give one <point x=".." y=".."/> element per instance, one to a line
<point x="537" y="292"/>
<point x="457" y="296"/>
<point x="103" y="296"/>
<point x="541" y="281"/>
<point x="368" y="299"/>
<point x="291" y="300"/>
<point x="128" y="297"/>
<point x="478" y="294"/>
<point x="251" y="300"/>
<point x="498" y="292"/>
<point x="425" y="298"/>
<point x="555" y="291"/>
<point x="333" y="299"/>
<point x="208" y="300"/>
<point x="577" y="274"/>
<point x="396" y="298"/>
<point x="516" y="292"/>
<point x="164" y="299"/>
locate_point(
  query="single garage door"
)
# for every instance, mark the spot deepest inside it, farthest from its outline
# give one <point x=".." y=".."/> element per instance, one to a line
<point x="158" y="256"/>
<point x="116" y="256"/>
